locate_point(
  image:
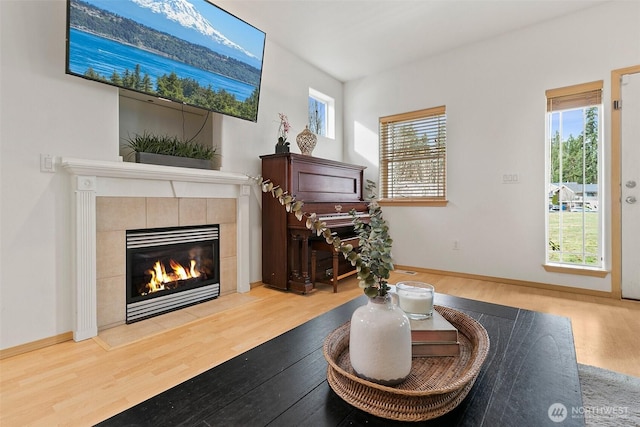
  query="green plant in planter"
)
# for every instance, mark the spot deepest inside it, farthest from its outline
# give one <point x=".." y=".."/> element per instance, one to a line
<point x="372" y="259"/>
<point x="169" y="146"/>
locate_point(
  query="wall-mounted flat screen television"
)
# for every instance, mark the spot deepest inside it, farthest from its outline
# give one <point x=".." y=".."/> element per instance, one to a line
<point x="187" y="51"/>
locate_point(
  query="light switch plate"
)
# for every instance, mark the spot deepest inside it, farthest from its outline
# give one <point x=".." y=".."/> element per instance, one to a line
<point x="47" y="163"/>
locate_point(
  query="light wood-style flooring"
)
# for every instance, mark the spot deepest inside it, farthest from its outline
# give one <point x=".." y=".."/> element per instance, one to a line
<point x="80" y="384"/>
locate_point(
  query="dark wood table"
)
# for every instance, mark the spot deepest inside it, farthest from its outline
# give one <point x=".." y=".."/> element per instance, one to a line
<point x="531" y="367"/>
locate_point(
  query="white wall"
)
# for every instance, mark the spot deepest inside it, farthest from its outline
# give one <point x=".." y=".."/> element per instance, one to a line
<point x="43" y="110"/>
<point x="495" y="96"/>
<point x="137" y="117"/>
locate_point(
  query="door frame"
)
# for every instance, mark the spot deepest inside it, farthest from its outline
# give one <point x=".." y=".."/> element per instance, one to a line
<point x="616" y="179"/>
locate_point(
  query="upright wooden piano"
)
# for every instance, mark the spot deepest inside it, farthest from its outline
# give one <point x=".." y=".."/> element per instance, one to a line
<point x="328" y="188"/>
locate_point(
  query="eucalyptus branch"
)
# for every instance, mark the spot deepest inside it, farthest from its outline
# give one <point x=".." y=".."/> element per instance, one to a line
<point x="372" y="259"/>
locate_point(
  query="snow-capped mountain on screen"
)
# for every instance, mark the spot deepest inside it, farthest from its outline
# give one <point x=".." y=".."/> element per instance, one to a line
<point x="184" y="13"/>
<point x="196" y="21"/>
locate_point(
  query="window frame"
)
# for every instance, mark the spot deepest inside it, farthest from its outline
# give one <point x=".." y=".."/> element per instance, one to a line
<point x="330" y="112"/>
<point x="424" y="119"/>
<point x="570" y="98"/>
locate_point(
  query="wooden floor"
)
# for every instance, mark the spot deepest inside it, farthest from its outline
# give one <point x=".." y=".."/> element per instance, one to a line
<point x="80" y="384"/>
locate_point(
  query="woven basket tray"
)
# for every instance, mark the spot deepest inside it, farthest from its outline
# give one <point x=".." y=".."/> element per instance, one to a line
<point x="435" y="386"/>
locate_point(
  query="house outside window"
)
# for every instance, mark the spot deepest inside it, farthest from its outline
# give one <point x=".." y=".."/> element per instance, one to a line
<point x="321" y="114"/>
<point x="413" y="157"/>
<point x="574" y="225"/>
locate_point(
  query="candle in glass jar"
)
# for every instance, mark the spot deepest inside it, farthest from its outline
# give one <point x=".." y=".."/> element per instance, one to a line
<point x="415" y="299"/>
<point x="416" y="302"/>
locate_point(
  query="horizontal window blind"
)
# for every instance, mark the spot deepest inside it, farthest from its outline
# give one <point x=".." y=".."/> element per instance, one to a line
<point x="413" y="155"/>
<point x="578" y="96"/>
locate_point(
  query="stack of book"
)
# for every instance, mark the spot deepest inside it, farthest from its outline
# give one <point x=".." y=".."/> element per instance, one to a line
<point x="435" y="336"/>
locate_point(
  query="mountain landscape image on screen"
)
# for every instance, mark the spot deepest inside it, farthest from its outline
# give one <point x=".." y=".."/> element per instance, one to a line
<point x="188" y="51"/>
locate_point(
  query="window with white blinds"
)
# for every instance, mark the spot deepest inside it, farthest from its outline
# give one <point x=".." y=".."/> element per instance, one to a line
<point x="413" y="155"/>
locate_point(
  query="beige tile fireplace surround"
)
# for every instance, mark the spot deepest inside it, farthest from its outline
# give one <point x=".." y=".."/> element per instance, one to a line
<point x="110" y="197"/>
<point x="116" y="215"/>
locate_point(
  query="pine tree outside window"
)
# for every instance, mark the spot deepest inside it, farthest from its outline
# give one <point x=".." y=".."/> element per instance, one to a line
<point x="575" y="188"/>
<point x="413" y="157"/>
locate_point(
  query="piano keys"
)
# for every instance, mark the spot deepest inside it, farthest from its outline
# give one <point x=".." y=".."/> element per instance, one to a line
<point x="342" y="218"/>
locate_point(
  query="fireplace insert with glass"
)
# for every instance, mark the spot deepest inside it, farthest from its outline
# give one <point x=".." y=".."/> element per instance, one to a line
<point x="171" y="268"/>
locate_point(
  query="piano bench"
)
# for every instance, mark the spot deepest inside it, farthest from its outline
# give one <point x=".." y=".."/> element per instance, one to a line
<point x="323" y="246"/>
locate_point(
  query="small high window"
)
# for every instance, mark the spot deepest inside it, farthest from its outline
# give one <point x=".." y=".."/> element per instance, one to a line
<point x="321" y="114"/>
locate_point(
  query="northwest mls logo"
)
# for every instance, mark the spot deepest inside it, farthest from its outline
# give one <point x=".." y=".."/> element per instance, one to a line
<point x="557" y="412"/>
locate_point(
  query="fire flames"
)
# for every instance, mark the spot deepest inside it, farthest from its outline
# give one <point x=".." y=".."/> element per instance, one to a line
<point x="161" y="279"/>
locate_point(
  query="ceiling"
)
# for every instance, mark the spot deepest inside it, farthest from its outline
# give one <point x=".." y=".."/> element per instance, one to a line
<point x="352" y="39"/>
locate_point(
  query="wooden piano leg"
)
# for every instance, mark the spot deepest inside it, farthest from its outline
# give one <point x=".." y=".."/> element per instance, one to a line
<point x="314" y="262"/>
<point x="294" y="261"/>
<point x="304" y="258"/>
<point x="299" y="263"/>
<point x="335" y="270"/>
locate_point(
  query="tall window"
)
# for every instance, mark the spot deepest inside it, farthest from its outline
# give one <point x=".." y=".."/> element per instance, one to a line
<point x="574" y="175"/>
<point x="321" y="114"/>
<point x="413" y="155"/>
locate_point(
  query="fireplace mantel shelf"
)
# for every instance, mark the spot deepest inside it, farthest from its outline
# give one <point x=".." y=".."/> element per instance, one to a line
<point x="150" y="172"/>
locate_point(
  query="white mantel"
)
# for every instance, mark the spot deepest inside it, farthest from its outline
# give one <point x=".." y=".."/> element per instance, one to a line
<point x="93" y="178"/>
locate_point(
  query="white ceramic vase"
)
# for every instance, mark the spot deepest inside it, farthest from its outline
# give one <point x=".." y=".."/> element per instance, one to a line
<point x="380" y="342"/>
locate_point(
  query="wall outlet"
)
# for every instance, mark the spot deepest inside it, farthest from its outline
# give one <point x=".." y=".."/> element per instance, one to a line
<point x="456" y="245"/>
<point x="510" y="178"/>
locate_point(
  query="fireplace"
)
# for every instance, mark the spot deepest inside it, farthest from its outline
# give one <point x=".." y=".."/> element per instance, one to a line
<point x="171" y="268"/>
<point x="112" y="197"/>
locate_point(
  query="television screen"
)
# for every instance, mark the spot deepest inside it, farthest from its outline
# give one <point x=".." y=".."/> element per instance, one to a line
<point x="188" y="51"/>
